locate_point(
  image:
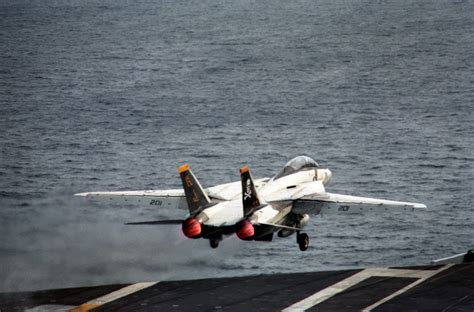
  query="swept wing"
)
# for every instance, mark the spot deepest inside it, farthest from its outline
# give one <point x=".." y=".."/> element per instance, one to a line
<point x="173" y="198"/>
<point x="340" y="203"/>
<point x="160" y="198"/>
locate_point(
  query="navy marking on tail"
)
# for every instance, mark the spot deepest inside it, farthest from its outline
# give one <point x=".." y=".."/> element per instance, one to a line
<point x="250" y="199"/>
<point x="195" y="196"/>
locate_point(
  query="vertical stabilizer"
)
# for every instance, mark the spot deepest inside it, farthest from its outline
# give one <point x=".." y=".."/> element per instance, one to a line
<point x="195" y="196"/>
<point x="250" y="198"/>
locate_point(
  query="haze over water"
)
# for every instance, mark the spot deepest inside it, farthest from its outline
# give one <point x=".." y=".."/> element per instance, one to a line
<point x="115" y="95"/>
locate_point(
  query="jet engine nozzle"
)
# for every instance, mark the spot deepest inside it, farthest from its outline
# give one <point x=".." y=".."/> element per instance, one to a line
<point x="192" y="228"/>
<point x="245" y="230"/>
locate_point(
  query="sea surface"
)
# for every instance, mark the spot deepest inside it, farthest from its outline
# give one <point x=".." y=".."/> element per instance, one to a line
<point x="114" y="95"/>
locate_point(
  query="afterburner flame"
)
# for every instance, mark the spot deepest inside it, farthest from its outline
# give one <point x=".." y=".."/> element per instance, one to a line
<point x="245" y="230"/>
<point x="192" y="228"/>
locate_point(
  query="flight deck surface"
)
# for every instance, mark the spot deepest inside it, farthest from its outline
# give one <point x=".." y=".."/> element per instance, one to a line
<point x="447" y="287"/>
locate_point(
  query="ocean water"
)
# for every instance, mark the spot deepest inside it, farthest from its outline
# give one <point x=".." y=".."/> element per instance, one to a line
<point x="114" y="95"/>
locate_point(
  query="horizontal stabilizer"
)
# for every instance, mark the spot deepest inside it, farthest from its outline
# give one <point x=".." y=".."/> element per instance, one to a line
<point x="156" y="222"/>
<point x="280" y="226"/>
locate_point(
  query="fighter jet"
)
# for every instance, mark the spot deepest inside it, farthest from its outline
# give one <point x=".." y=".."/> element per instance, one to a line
<point x="251" y="209"/>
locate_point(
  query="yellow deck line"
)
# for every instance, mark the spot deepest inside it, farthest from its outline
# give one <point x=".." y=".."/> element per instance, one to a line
<point x="122" y="292"/>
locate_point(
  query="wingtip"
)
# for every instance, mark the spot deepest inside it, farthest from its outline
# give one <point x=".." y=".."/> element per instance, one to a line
<point x="81" y="194"/>
<point x="183" y="168"/>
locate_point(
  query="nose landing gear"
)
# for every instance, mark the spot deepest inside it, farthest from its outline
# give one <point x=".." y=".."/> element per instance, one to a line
<point x="214" y="243"/>
<point x="303" y="240"/>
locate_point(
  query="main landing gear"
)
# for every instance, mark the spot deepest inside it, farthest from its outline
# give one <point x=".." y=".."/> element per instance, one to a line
<point x="214" y="243"/>
<point x="303" y="240"/>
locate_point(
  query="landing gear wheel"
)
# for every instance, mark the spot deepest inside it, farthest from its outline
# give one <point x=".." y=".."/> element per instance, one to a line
<point x="303" y="241"/>
<point x="214" y="243"/>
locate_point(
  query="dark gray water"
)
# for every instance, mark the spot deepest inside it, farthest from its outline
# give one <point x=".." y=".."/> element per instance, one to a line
<point x="116" y="95"/>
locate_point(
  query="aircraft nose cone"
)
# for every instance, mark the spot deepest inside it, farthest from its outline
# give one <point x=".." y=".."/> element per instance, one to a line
<point x="327" y="176"/>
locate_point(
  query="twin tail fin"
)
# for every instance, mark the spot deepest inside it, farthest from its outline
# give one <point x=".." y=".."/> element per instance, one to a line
<point x="196" y="197"/>
<point x="250" y="198"/>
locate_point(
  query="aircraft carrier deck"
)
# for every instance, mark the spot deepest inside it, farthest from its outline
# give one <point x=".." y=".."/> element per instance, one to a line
<point x="441" y="287"/>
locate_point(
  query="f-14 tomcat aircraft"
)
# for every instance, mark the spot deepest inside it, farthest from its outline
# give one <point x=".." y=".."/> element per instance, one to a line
<point x="254" y="209"/>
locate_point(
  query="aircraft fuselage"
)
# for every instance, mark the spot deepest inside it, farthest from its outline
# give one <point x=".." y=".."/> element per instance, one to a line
<point x="224" y="218"/>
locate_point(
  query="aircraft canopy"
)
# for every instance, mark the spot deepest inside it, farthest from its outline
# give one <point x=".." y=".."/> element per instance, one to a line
<point x="297" y="164"/>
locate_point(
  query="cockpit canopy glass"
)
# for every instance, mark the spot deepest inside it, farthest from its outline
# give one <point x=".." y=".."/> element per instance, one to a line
<point x="297" y="164"/>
